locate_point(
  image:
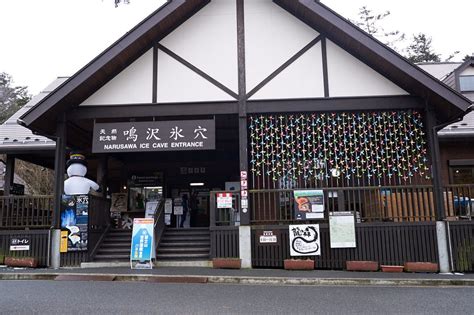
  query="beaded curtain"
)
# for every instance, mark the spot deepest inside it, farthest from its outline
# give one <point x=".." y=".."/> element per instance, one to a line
<point x="374" y="148"/>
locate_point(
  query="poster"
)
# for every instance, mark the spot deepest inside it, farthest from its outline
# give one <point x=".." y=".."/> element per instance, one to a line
<point x="304" y="240"/>
<point x="178" y="206"/>
<point x="20" y="243"/>
<point x="224" y="200"/>
<point x="309" y="204"/>
<point x="74" y="221"/>
<point x="150" y="209"/>
<point x="169" y="206"/>
<point x="119" y="202"/>
<point x="142" y="243"/>
<point x="342" y="230"/>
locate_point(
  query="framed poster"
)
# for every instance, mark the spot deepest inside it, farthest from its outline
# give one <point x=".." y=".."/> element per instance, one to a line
<point x="304" y="240"/>
<point x="342" y="230"/>
<point x="309" y="204"/>
<point x="119" y="202"/>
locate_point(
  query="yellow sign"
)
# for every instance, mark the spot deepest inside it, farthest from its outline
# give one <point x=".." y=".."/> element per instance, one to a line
<point x="63" y="247"/>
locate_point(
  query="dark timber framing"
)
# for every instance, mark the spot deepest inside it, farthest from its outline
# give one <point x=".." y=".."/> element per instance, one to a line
<point x="154" y="96"/>
<point x="198" y="71"/>
<point x="9" y="174"/>
<point x="243" y="137"/>
<point x="324" y="54"/>
<point x="284" y="66"/>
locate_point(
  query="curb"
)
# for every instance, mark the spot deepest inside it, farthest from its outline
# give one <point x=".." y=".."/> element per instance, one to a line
<point x="238" y="280"/>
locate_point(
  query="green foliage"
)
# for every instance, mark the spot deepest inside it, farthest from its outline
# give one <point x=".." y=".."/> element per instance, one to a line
<point x="12" y="98"/>
<point x="117" y="2"/>
<point x="421" y="50"/>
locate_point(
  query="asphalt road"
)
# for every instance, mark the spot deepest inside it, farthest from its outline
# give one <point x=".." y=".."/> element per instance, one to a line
<point x="61" y="297"/>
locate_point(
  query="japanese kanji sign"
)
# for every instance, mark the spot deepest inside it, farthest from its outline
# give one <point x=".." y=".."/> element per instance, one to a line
<point x="154" y="136"/>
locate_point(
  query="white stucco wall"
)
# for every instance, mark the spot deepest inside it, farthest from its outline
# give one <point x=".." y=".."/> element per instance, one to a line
<point x="208" y="40"/>
<point x="134" y="85"/>
<point x="468" y="71"/>
<point x="272" y="36"/>
<point x="348" y="76"/>
<point x="302" y="79"/>
<point x="177" y="83"/>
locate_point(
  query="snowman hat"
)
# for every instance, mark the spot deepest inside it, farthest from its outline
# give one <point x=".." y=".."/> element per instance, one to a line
<point x="76" y="157"/>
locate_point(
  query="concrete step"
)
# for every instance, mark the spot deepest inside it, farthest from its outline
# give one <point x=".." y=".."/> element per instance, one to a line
<point x="183" y="249"/>
<point x="187" y="233"/>
<point x="182" y="256"/>
<point x="112" y="257"/>
<point x="115" y="250"/>
<point x="188" y="229"/>
<point x="109" y="238"/>
<point x="184" y="244"/>
<point x="115" y="245"/>
<point x="184" y="238"/>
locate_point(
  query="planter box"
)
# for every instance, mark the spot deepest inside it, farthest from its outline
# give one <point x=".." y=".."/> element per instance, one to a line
<point x="21" y="262"/>
<point x="226" y="263"/>
<point x="387" y="268"/>
<point x="421" y="267"/>
<point x="299" y="264"/>
<point x="362" y="265"/>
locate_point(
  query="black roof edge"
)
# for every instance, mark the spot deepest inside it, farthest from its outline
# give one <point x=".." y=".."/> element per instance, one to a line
<point x="26" y="120"/>
<point x="376" y="46"/>
<point x="466" y="64"/>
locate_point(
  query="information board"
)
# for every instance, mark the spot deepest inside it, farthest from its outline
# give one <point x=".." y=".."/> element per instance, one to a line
<point x="304" y="240"/>
<point x="309" y="204"/>
<point x="342" y="230"/>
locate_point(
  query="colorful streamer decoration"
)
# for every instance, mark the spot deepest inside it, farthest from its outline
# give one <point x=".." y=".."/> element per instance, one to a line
<point x="361" y="147"/>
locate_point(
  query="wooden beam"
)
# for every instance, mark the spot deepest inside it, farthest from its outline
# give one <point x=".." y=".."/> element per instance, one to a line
<point x="9" y="175"/>
<point x="59" y="169"/>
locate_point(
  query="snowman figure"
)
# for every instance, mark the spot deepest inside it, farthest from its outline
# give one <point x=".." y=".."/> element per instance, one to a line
<point x="77" y="184"/>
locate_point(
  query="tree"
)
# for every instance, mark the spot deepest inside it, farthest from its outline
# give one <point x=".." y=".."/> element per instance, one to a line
<point x="117" y="2"/>
<point x="12" y="98"/>
<point x="421" y="50"/>
<point x="370" y="22"/>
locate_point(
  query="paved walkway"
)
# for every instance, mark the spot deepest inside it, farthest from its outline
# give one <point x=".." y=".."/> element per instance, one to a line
<point x="244" y="276"/>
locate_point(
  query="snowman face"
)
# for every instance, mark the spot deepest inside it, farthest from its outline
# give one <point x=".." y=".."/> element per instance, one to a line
<point x="76" y="170"/>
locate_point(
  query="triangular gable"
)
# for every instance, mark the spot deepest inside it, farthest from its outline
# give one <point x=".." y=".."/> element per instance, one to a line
<point x="157" y="26"/>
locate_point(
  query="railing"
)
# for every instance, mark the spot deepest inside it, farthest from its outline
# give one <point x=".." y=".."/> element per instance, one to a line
<point x="159" y="218"/>
<point x="26" y="211"/>
<point x="99" y="222"/>
<point x="39" y="245"/>
<point x="224" y="216"/>
<point x="371" y="204"/>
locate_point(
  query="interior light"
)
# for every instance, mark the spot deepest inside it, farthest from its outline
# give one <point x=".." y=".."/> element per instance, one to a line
<point x="124" y="187"/>
<point x="196" y="184"/>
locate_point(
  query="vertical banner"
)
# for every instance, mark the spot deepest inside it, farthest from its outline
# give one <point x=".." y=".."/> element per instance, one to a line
<point x="309" y="204"/>
<point x="342" y="230"/>
<point x="142" y="244"/>
<point x="74" y="221"/>
<point x="304" y="240"/>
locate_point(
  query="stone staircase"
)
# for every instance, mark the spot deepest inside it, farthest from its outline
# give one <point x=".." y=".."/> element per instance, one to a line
<point x="184" y="244"/>
<point x="115" y="247"/>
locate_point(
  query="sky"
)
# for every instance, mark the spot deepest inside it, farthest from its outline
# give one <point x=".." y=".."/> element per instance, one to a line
<point x="44" y="39"/>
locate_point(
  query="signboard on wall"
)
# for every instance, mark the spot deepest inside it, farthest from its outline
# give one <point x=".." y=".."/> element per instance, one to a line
<point x="152" y="136"/>
<point x="342" y="230"/>
<point x="309" y="204"/>
<point x="304" y="240"/>
<point x="224" y="200"/>
<point x="74" y="221"/>
<point x="20" y="243"/>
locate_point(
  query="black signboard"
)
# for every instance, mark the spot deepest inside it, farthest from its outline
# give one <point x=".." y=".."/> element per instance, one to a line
<point x="154" y="136"/>
<point x="19" y="243"/>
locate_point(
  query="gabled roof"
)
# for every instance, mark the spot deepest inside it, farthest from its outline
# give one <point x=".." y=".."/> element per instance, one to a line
<point x="447" y="102"/>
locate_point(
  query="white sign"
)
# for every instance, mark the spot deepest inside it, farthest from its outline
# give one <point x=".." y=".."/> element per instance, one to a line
<point x="19" y="247"/>
<point x="342" y="230"/>
<point x="304" y="240"/>
<point x="169" y="206"/>
<point x="244" y="202"/>
<point x="268" y="237"/>
<point x="224" y="200"/>
<point x="178" y="206"/>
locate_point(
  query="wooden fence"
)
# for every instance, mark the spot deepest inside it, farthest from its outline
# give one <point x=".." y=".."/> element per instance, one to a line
<point x="224" y="242"/>
<point x="371" y="204"/>
<point x="26" y="211"/>
<point x="39" y="245"/>
<point x="387" y="243"/>
<point x="462" y="245"/>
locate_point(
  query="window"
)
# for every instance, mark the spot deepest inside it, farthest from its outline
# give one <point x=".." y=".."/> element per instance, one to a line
<point x="466" y="83"/>
<point x="462" y="175"/>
